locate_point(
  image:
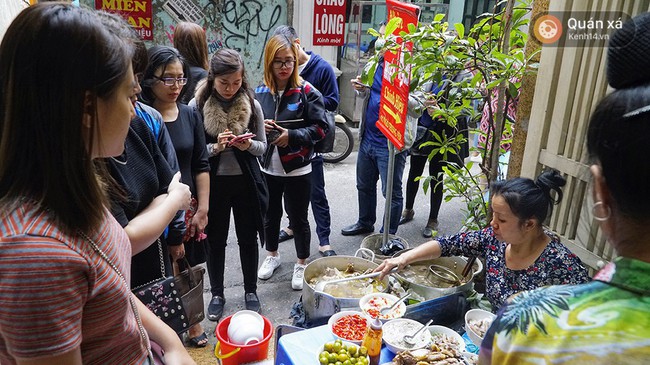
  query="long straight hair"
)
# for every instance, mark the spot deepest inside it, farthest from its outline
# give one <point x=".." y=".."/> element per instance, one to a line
<point x="45" y="148"/>
<point x="190" y="41"/>
<point x="225" y="62"/>
<point x="276" y="43"/>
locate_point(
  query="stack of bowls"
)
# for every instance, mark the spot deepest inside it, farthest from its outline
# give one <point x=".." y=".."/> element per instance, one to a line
<point x="246" y="327"/>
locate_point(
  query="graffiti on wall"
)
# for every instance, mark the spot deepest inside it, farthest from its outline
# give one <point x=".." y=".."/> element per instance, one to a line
<point x="244" y="25"/>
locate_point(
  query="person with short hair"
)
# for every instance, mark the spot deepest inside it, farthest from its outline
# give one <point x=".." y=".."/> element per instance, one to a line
<point x="319" y="73"/>
<point x="519" y="254"/>
<point x="294" y="118"/>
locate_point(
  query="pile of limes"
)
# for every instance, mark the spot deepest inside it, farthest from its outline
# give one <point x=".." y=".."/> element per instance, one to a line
<point x="339" y="353"/>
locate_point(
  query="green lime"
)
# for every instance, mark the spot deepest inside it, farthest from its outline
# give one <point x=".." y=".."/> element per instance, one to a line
<point x="328" y="346"/>
<point x="343" y="356"/>
<point x="324" y="360"/>
<point x="363" y="351"/>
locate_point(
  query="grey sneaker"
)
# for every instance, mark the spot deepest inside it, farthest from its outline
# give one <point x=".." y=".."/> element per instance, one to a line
<point x="298" y="274"/>
<point x="268" y="267"/>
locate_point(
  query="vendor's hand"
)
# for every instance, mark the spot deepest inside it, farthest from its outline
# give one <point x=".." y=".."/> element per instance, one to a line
<point x="176" y="252"/>
<point x="179" y="192"/>
<point x="389" y="264"/>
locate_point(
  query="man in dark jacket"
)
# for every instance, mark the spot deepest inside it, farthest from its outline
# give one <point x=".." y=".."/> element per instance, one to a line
<point x="319" y="73"/>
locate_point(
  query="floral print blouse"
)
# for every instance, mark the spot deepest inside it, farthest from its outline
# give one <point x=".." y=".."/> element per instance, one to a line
<point x="556" y="265"/>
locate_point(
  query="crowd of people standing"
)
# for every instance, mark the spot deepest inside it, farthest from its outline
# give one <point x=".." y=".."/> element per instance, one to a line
<point x="158" y="149"/>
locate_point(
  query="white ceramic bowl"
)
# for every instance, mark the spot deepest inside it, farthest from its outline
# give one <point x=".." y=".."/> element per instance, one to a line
<point x="340" y="316"/>
<point x="245" y="325"/>
<point x="245" y="335"/>
<point x="436" y="331"/>
<point x="394" y="331"/>
<point x="248" y="314"/>
<point x="370" y="304"/>
<point x="474" y="316"/>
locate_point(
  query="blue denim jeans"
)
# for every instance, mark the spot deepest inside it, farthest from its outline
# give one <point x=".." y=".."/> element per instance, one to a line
<point x="372" y="164"/>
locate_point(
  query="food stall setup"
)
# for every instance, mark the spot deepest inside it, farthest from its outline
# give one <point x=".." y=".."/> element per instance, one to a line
<point x="342" y="310"/>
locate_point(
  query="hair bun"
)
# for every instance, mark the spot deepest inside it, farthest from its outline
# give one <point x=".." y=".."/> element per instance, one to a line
<point x="551" y="179"/>
<point x="628" y="54"/>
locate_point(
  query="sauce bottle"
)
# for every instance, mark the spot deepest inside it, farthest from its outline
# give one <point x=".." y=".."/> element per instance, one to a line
<point x="372" y="341"/>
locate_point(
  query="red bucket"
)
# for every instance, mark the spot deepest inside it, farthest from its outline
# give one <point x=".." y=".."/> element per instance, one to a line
<point x="232" y="354"/>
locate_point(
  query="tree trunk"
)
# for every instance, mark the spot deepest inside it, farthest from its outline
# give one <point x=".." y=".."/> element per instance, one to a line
<point x="525" y="104"/>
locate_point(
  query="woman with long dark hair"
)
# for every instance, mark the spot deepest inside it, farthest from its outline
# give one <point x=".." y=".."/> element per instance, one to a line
<point x="65" y="264"/>
<point x="234" y="130"/>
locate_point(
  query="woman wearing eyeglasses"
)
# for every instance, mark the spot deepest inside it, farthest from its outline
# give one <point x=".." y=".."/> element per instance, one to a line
<point x="294" y="118"/>
<point x="162" y="85"/>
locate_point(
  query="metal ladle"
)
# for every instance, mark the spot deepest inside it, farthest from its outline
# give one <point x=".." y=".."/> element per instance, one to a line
<point x="410" y="339"/>
<point x="321" y="285"/>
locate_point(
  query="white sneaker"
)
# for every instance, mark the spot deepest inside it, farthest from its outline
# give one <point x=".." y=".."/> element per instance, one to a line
<point x="268" y="267"/>
<point x="298" y="274"/>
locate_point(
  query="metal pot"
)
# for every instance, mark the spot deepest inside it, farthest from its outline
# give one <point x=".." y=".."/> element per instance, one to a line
<point x="453" y="263"/>
<point x="319" y="305"/>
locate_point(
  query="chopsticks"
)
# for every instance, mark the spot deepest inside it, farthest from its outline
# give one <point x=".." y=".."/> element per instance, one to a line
<point x="468" y="267"/>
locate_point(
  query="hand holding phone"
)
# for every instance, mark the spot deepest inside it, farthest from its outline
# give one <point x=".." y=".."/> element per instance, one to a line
<point x="240" y="138"/>
<point x="358" y="84"/>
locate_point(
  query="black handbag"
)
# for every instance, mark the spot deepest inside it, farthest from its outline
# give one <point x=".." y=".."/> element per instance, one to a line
<point x="326" y="144"/>
<point x="177" y="300"/>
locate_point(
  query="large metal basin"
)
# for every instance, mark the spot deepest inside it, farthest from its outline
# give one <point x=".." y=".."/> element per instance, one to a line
<point x="454" y="263"/>
<point x="321" y="305"/>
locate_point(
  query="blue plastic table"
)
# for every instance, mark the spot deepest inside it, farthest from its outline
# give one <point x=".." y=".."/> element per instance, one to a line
<point x="302" y="348"/>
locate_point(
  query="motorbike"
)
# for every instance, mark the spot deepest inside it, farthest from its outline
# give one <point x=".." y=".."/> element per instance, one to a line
<point x="343" y="142"/>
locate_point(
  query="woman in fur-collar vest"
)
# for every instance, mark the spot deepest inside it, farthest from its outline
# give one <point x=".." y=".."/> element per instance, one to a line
<point x="234" y="133"/>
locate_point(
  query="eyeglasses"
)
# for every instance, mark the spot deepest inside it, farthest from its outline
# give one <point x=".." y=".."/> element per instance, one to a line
<point x="281" y="64"/>
<point x="170" y="81"/>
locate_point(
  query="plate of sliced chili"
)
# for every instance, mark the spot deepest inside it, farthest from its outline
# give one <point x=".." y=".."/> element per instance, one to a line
<point x="348" y="325"/>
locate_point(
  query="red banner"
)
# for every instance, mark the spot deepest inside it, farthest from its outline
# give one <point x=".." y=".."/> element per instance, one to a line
<point x="136" y="12"/>
<point x="329" y="22"/>
<point x="397" y="76"/>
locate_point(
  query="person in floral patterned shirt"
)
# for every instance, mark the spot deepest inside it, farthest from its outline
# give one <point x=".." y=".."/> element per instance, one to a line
<point x="519" y="254"/>
<point x="606" y="321"/>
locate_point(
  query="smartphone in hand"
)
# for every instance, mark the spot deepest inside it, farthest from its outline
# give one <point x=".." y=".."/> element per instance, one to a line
<point x="240" y="138"/>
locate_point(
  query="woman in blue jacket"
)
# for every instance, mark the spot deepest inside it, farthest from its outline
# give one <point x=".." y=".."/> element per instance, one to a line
<point x="294" y="118"/>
